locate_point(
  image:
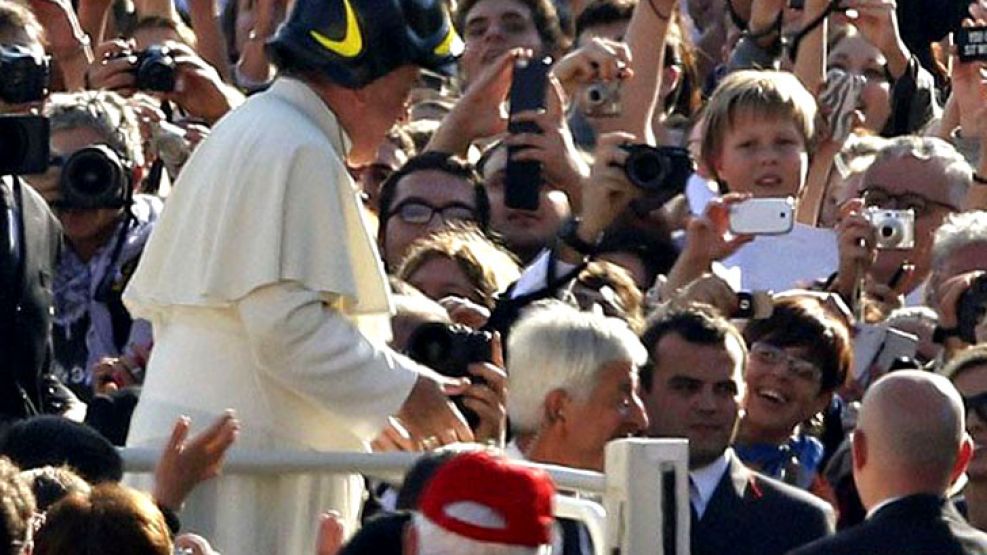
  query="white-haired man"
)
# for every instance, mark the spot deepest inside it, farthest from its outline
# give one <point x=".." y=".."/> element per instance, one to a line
<point x="923" y="174"/>
<point x="573" y="382"/>
<point x="483" y="505"/>
<point x="959" y="256"/>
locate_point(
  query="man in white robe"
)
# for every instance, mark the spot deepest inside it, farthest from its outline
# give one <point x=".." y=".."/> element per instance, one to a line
<point x="264" y="289"/>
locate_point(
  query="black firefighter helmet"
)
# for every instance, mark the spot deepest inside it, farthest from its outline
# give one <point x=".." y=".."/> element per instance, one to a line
<point x="355" y="42"/>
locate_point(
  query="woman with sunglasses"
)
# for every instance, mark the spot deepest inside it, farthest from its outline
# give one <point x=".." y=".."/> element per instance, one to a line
<point x="968" y="373"/>
<point x="797" y="359"/>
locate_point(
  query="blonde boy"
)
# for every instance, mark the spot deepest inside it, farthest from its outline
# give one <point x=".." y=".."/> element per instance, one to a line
<point x="758" y="130"/>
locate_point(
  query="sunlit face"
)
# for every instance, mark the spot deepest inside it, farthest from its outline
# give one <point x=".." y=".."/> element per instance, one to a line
<point x="971" y="382"/>
<point x="763" y="156"/>
<point x="613" y="410"/>
<point x="386" y="101"/>
<point x="781" y="392"/>
<point x="442" y="277"/>
<point x="493" y="27"/>
<point x="450" y="198"/>
<point x="695" y="394"/>
<point x="855" y="55"/>
<point x="901" y="181"/>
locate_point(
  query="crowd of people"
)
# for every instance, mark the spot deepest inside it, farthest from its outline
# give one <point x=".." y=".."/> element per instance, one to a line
<point x="492" y="231"/>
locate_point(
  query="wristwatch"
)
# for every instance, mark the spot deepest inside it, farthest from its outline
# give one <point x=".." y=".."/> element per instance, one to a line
<point x="568" y="235"/>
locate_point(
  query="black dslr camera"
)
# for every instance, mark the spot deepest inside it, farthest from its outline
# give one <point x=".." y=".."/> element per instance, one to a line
<point x="95" y="177"/>
<point x="971" y="309"/>
<point x="449" y="349"/>
<point x="25" y="75"/>
<point x="24" y="147"/>
<point x="661" y="172"/>
<point x="155" y="69"/>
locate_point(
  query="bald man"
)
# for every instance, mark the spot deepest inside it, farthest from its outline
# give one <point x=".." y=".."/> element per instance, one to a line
<point x="909" y="446"/>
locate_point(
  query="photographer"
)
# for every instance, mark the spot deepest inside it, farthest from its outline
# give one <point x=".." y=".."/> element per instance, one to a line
<point x="106" y="227"/>
<point x="29" y="245"/>
<point x="921" y="174"/>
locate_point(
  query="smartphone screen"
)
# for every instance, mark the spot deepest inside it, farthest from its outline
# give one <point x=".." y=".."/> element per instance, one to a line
<point x="523" y="179"/>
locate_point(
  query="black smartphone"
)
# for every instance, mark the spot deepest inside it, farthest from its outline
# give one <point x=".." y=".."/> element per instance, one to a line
<point x="971" y="44"/>
<point x="898" y="275"/>
<point x="24" y="147"/>
<point x="523" y="179"/>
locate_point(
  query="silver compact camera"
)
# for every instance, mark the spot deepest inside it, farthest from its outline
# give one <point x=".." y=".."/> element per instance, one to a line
<point x="895" y="229"/>
<point x="602" y="99"/>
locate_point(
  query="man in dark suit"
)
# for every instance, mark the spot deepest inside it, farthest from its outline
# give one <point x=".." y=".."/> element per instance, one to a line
<point x="909" y="446"/>
<point x="30" y="240"/>
<point x="693" y="390"/>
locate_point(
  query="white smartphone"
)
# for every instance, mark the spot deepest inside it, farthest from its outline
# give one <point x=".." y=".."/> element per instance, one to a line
<point x="763" y="216"/>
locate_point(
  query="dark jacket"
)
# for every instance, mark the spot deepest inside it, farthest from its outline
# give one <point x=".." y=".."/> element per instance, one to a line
<point x="917" y="524"/>
<point x="752" y="514"/>
<point x="25" y="323"/>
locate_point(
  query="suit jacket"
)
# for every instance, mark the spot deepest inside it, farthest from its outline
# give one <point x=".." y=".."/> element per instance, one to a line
<point x="25" y="331"/>
<point x="750" y="513"/>
<point x="917" y="524"/>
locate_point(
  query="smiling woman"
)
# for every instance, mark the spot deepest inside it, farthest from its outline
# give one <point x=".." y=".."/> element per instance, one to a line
<point x="798" y="358"/>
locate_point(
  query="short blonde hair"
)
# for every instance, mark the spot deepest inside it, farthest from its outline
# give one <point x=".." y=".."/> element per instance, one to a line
<point x="768" y="94"/>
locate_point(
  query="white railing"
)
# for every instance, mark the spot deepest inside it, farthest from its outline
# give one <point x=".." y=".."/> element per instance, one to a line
<point x="639" y="473"/>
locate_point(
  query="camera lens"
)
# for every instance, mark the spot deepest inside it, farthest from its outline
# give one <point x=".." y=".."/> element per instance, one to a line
<point x="645" y="167"/>
<point x="890" y="231"/>
<point x="94" y="177"/>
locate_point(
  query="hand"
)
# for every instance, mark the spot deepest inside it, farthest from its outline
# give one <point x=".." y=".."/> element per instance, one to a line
<point x="599" y="60"/>
<point x="563" y="165"/>
<point x="199" y="87"/>
<point x="708" y="237"/>
<point x="196" y="543"/>
<point x="393" y="438"/>
<point x="113" y="67"/>
<point x="478" y="113"/>
<point x="880" y="299"/>
<point x="949" y="294"/>
<point x="707" y="289"/>
<point x="113" y="373"/>
<point x="429" y="416"/>
<point x="183" y="465"/>
<point x="877" y="21"/>
<point x="607" y="191"/>
<point x="465" y="312"/>
<point x="487" y="396"/>
<point x="856" y="242"/>
<point x="331" y="532"/>
<point x="970" y="94"/>
<point x="267" y="15"/>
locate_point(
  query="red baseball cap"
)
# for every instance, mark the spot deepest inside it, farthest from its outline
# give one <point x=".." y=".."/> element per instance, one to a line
<point x="489" y="499"/>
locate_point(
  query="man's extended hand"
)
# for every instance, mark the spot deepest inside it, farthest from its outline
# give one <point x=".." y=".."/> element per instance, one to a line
<point x="429" y="416"/>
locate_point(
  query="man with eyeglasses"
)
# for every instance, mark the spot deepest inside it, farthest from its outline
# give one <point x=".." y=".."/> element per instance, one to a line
<point x="430" y="192"/>
<point x="693" y="388"/>
<point x="923" y="174"/>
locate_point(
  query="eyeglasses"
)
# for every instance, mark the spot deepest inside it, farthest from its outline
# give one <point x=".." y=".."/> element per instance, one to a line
<point x="877" y="196"/>
<point x="976" y="404"/>
<point x="419" y="213"/>
<point x="768" y="354"/>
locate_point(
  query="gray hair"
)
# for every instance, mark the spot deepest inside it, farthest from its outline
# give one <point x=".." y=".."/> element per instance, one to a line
<point x="959" y="230"/>
<point x="435" y="540"/>
<point x="959" y="174"/>
<point x="105" y="112"/>
<point x="555" y="346"/>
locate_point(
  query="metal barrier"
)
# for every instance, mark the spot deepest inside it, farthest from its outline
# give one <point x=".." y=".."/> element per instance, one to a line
<point x="645" y="489"/>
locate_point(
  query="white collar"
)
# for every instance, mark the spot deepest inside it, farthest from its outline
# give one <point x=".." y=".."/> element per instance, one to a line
<point x="705" y="480"/>
<point x="308" y="101"/>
